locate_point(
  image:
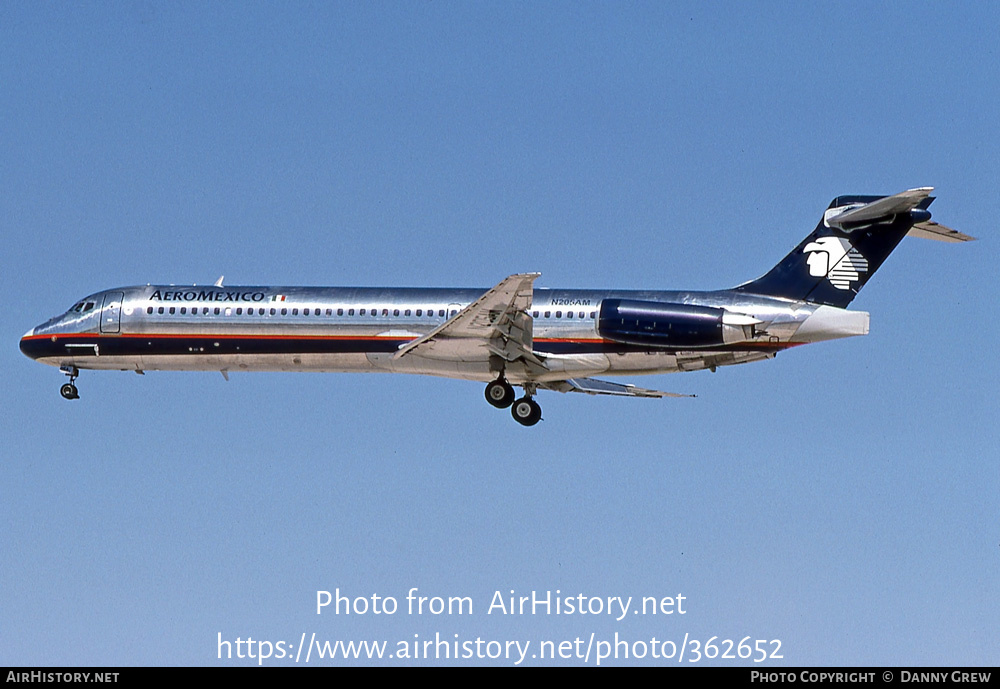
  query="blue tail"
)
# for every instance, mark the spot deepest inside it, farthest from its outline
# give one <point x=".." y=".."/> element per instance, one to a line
<point x="851" y="241"/>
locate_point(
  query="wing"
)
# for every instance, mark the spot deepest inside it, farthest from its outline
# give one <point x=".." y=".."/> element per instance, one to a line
<point x="497" y="323"/>
<point x="592" y="386"/>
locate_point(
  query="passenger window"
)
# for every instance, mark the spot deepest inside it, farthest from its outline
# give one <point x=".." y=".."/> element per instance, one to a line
<point x="149" y="309"/>
<point x="284" y="312"/>
<point x="329" y="312"/>
<point x="340" y="312"/>
<point x="184" y="310"/>
<point x="273" y="311"/>
<point x="172" y="310"/>
<point x="534" y="314"/>
<point x="295" y="312"/>
<point x="305" y="312"/>
<point x="569" y="314"/>
<point x="440" y="312"/>
<point x="350" y="312"/>
<point x="239" y="311"/>
<point x="160" y="310"/>
<point x="548" y="313"/>
<point x="420" y="312"/>
<point x="395" y="312"/>
<point x="593" y="314"/>
<point x="217" y="310"/>
<point x="385" y="312"/>
<point x="406" y="313"/>
<point x="361" y="313"/>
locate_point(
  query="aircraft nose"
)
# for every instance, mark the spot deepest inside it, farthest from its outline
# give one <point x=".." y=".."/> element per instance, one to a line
<point x="26" y="345"/>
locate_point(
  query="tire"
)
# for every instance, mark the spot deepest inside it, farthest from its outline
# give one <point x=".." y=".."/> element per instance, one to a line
<point x="500" y="394"/>
<point x="526" y="411"/>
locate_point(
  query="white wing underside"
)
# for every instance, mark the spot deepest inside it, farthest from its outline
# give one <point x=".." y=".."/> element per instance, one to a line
<point x="499" y="324"/>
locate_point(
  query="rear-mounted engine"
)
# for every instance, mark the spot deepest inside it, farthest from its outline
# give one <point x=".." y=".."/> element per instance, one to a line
<point x="672" y="325"/>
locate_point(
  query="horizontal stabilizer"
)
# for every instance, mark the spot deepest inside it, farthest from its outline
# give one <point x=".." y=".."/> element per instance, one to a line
<point x="592" y="386"/>
<point x="902" y="202"/>
<point x="932" y="230"/>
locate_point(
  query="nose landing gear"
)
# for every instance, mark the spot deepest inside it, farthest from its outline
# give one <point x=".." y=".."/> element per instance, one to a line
<point x="68" y="390"/>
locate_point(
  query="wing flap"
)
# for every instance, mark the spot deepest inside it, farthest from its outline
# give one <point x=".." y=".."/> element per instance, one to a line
<point x="592" y="386"/>
<point x="497" y="323"/>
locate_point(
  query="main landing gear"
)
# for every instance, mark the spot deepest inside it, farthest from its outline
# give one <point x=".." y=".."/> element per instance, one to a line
<point x="525" y="411"/>
<point x="500" y="394"/>
<point x="68" y="390"/>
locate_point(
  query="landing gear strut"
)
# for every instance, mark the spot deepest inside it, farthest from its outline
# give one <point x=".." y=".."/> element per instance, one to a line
<point x="68" y="390"/>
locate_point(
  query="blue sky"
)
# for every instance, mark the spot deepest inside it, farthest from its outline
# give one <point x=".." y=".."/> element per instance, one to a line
<point x="840" y="498"/>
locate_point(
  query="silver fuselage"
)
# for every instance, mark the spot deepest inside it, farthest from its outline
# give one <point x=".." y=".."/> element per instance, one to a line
<point x="356" y="329"/>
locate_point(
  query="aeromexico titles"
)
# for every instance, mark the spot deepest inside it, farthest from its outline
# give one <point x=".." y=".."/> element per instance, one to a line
<point x="511" y="335"/>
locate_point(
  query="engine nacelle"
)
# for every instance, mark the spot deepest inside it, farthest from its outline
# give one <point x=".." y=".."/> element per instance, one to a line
<point x="662" y="324"/>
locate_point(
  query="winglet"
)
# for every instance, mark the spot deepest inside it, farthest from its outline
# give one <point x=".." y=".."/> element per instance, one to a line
<point x="218" y="283"/>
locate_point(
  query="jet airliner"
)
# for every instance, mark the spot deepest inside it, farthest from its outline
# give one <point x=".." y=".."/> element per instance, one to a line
<point x="511" y="335"/>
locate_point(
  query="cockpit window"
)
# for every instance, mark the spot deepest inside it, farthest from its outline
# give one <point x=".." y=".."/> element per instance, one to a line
<point x="81" y="307"/>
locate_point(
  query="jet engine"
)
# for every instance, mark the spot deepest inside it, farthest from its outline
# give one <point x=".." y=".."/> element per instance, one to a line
<point x="672" y="325"/>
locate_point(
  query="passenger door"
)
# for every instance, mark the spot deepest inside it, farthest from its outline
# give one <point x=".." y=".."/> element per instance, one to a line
<point x="111" y="314"/>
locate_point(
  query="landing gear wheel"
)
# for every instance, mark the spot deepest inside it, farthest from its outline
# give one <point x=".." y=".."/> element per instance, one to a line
<point x="68" y="390"/>
<point x="526" y="411"/>
<point x="500" y="394"/>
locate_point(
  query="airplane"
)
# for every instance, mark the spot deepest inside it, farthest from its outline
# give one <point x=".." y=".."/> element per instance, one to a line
<point x="513" y="334"/>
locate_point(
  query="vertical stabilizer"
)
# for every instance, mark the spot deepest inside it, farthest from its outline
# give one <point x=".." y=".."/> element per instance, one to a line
<point x="851" y="241"/>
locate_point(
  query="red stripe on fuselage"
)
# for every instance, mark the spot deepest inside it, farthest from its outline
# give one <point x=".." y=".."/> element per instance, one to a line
<point x="736" y="346"/>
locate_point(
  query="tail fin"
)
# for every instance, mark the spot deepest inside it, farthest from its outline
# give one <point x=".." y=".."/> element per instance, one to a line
<point x="853" y="239"/>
